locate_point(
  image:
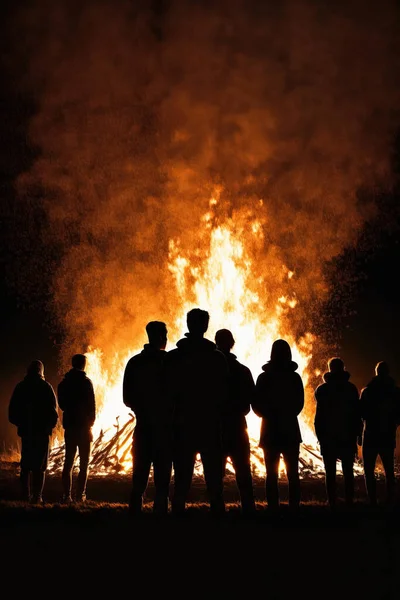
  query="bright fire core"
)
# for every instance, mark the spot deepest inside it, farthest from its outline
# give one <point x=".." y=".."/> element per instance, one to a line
<point x="218" y="278"/>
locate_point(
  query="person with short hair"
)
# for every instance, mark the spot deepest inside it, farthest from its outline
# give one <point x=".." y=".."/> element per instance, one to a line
<point x="235" y="437"/>
<point x="198" y="383"/>
<point x="76" y="398"/>
<point x="337" y="426"/>
<point x="380" y="411"/>
<point x="144" y="391"/>
<point x="278" y="401"/>
<point x="33" y="409"/>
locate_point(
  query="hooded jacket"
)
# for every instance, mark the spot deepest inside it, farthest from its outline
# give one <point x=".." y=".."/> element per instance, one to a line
<point x="33" y="407"/>
<point x="77" y="401"/>
<point x="278" y="401"/>
<point x="337" y="418"/>
<point x="144" y="390"/>
<point x="380" y="411"/>
<point x="198" y="384"/>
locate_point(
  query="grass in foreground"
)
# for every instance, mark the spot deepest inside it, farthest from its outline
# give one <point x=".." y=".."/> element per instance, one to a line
<point x="96" y="549"/>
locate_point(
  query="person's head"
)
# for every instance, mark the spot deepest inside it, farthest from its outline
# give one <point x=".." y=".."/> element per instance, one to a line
<point x="335" y="365"/>
<point x="157" y="334"/>
<point x="36" y="368"/>
<point x="280" y="351"/>
<point x="79" y="362"/>
<point x="197" y="321"/>
<point x="224" y="340"/>
<point x="382" y="369"/>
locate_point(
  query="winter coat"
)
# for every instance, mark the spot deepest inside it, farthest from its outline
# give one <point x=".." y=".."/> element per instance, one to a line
<point x="77" y="401"/>
<point x="241" y="389"/>
<point x="198" y="385"/>
<point x="380" y="411"/>
<point x="144" y="391"/>
<point x="337" y="419"/>
<point x="33" y="407"/>
<point x="278" y="401"/>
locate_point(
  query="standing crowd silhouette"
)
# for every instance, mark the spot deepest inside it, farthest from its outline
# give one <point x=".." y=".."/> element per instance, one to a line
<point x="194" y="400"/>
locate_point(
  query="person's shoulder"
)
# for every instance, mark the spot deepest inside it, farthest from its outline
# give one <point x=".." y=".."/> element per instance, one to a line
<point x="243" y="368"/>
<point x="235" y="362"/>
<point x="65" y="378"/>
<point x="172" y="359"/>
<point x="19" y="387"/>
<point x="134" y="359"/>
<point x="219" y="354"/>
<point x="48" y="385"/>
<point x="88" y="381"/>
<point x="173" y="354"/>
<point x="297" y="376"/>
<point x="352" y="386"/>
<point x="320" y="388"/>
<point x="219" y="359"/>
<point x="262" y="377"/>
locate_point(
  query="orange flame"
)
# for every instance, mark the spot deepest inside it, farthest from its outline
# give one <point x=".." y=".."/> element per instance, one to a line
<point x="221" y="281"/>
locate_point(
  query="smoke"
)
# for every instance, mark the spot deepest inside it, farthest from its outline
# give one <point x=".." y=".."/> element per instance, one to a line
<point x="142" y="111"/>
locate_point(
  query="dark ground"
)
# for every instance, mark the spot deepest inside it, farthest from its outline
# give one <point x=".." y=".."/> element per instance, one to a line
<point x="97" y="550"/>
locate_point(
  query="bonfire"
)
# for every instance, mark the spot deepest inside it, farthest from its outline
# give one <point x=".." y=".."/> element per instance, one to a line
<point x="219" y="279"/>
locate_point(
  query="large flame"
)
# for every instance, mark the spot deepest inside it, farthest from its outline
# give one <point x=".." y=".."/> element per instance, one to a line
<point x="219" y="279"/>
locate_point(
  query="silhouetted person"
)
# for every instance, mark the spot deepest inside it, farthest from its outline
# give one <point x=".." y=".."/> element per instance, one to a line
<point x="198" y="375"/>
<point x="235" y="438"/>
<point x="380" y="412"/>
<point x="77" y="401"/>
<point x="33" y="409"/>
<point x="337" y="426"/>
<point x="279" y="400"/>
<point x="144" y="391"/>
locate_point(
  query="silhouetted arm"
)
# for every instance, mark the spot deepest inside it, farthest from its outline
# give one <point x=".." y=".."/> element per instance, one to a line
<point x="259" y="398"/>
<point x="221" y="381"/>
<point x="397" y="405"/>
<point x="62" y="395"/>
<point x="128" y="386"/>
<point x="52" y="406"/>
<point x="357" y="413"/>
<point x="14" y="408"/>
<point x="299" y="395"/>
<point x="247" y="391"/>
<point x="91" y="403"/>
<point x="319" y="419"/>
<point x="364" y="403"/>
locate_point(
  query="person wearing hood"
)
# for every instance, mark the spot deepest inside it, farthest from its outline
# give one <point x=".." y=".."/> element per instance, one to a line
<point x="380" y="411"/>
<point x="144" y="391"/>
<point x="76" y="399"/>
<point x="198" y="384"/>
<point x="235" y="438"/>
<point x="278" y="401"/>
<point x="337" y="426"/>
<point x="33" y="409"/>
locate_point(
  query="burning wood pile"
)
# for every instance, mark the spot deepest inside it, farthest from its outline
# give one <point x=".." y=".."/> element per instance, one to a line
<point x="112" y="455"/>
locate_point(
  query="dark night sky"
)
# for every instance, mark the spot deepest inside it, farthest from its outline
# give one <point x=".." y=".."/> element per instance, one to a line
<point x="367" y="331"/>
